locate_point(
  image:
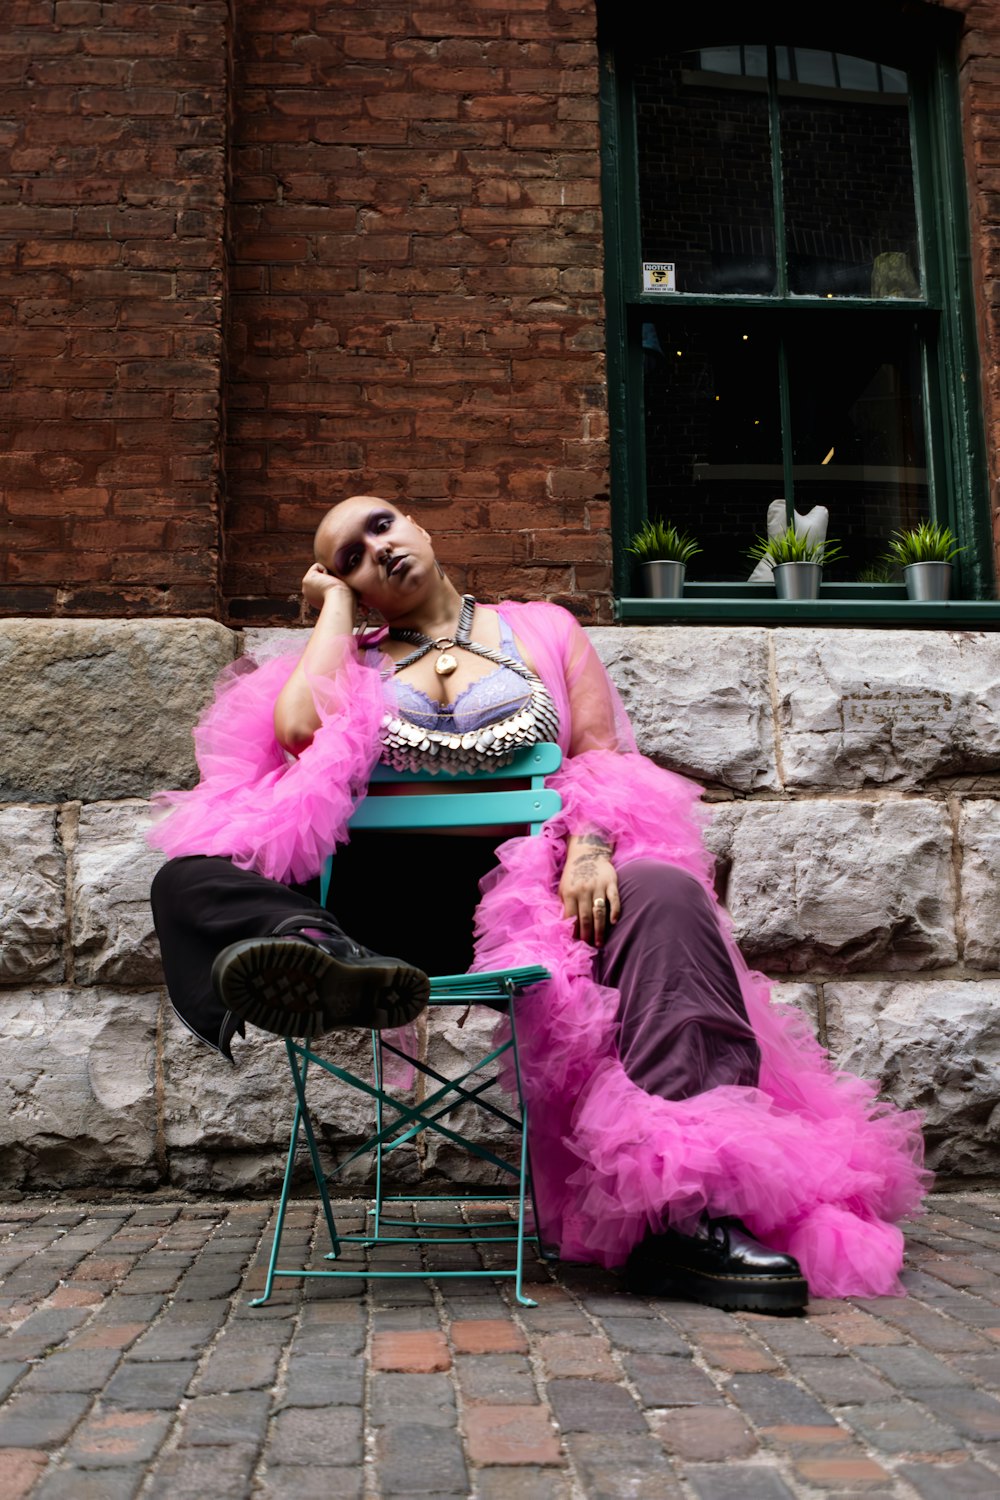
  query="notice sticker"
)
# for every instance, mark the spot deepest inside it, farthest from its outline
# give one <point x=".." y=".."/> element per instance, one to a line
<point x="658" y="276"/>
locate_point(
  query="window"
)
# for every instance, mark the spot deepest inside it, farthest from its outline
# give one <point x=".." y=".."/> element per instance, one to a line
<point x="788" y="322"/>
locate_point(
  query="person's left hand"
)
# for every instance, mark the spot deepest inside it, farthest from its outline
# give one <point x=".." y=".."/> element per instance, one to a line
<point x="589" y="887"/>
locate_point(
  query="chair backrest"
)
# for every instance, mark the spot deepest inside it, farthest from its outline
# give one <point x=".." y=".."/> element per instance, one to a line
<point x="438" y="806"/>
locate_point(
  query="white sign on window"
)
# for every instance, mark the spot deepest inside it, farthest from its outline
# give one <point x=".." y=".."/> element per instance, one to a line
<point x="658" y="276"/>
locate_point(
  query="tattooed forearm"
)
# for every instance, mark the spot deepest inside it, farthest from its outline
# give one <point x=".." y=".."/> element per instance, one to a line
<point x="599" y="842"/>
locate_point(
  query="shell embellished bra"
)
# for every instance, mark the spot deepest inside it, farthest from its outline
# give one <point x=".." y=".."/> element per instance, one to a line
<point x="495" y="715"/>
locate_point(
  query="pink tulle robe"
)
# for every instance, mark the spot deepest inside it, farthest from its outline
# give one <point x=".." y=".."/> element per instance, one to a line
<point x="809" y="1158"/>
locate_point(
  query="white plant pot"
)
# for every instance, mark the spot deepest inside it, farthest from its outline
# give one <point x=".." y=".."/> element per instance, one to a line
<point x="663" y="580"/>
<point x="798" y="580"/>
<point x="928" y="580"/>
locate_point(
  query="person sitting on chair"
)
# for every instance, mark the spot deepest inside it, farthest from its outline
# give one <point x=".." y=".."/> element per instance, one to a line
<point x="682" y="1125"/>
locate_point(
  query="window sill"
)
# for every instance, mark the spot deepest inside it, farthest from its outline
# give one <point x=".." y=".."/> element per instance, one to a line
<point x="955" y="614"/>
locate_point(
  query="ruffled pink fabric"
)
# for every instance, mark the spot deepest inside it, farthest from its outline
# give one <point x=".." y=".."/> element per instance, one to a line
<point x="809" y="1158"/>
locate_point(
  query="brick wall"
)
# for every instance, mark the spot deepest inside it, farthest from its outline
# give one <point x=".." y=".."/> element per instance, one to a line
<point x="416" y="310"/>
<point x="979" y="61"/>
<point x="414" y="296"/>
<point x="111" y="221"/>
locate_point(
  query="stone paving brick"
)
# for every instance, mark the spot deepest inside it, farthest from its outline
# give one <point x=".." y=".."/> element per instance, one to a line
<point x="649" y="1335"/>
<point x="417" y="1352"/>
<point x="707" y="1434"/>
<point x="213" y="1421"/>
<point x="911" y="1369"/>
<point x="577" y="1354"/>
<point x="792" y="1438"/>
<point x="10" y="1374"/>
<point x="791" y="1336"/>
<point x="112" y="1438"/>
<point x="40" y="1419"/>
<point x="663" y="1380"/>
<point x="736" y="1353"/>
<point x="594" y="1406"/>
<point x="106" y="1336"/>
<point x="738" y="1482"/>
<point x="324" y="1380"/>
<point x="45" y="1330"/>
<point x="487" y="1336"/>
<point x="292" y="1482"/>
<point x="496" y="1378"/>
<point x="412" y="1398"/>
<point x="138" y="1386"/>
<point x="622" y="1467"/>
<point x="228" y="1370"/>
<point x="415" y="1460"/>
<point x="97" y="1484"/>
<point x="974" y="1414"/>
<point x="851" y="1327"/>
<point x="70" y="1370"/>
<point x="900" y="1427"/>
<point x="860" y="1474"/>
<point x="304" y="1436"/>
<point x="770" y="1401"/>
<point x="511" y="1435"/>
<point x="19" y="1469"/>
<point x="968" y="1480"/>
<point x="196" y="1473"/>
<point x="522" y="1484"/>
<point x="841" y="1382"/>
<point x="982" y="1368"/>
<point x="932" y="1329"/>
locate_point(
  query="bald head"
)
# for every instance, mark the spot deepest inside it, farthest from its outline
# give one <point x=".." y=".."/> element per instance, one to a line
<point x="323" y="541"/>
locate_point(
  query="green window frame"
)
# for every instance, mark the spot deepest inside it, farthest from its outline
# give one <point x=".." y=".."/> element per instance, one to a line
<point x="942" y="312"/>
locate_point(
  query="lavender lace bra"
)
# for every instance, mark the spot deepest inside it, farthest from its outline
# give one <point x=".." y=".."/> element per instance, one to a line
<point x="491" y="719"/>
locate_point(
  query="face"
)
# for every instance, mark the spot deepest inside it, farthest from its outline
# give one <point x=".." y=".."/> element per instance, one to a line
<point x="381" y="554"/>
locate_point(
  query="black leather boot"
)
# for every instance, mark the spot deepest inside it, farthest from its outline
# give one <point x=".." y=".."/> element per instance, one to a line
<point x="721" y="1264"/>
<point x="293" y="983"/>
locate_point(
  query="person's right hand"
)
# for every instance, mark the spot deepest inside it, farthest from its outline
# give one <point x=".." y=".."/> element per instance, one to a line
<point x="318" y="582"/>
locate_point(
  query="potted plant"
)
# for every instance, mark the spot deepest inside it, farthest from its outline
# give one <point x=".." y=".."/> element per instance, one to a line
<point x="797" y="562"/>
<point x="924" y="553"/>
<point x="664" y="552"/>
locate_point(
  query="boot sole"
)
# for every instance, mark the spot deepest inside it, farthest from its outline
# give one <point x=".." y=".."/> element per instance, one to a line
<point x="772" y="1294"/>
<point x="293" y="988"/>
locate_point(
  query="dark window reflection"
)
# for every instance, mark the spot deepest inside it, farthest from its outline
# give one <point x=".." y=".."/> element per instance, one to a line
<point x="707" y="195"/>
<point x="705" y="173"/>
<point x="713" y="432"/>
<point x="858" y="441"/>
<point x="850" y="218"/>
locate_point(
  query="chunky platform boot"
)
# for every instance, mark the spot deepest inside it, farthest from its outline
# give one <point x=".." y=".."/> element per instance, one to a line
<point x="721" y="1264"/>
<point x="308" y="977"/>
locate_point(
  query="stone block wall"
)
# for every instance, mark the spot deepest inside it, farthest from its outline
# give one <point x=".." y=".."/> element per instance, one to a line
<point x="855" y="816"/>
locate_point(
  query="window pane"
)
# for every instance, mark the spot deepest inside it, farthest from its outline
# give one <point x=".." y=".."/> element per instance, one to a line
<point x="850" y="219"/>
<point x="713" y="432"/>
<point x="705" y="170"/>
<point x="858" y="442"/>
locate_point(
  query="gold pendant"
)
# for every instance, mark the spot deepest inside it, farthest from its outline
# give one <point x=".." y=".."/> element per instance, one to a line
<point x="446" y="664"/>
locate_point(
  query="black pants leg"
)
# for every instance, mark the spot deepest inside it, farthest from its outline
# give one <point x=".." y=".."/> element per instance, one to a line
<point x="201" y="904"/>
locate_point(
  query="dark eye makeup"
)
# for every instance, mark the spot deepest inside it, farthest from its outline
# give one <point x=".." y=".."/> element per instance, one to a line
<point x="347" y="558"/>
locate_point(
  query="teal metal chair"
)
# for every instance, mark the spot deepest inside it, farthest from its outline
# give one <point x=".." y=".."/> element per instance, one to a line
<point x="514" y="796"/>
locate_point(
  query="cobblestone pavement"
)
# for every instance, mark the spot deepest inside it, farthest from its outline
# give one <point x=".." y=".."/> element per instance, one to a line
<point x="132" y="1364"/>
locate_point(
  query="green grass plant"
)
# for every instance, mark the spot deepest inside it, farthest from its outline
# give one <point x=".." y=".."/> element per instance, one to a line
<point x="788" y="547"/>
<point x="659" y="541"/>
<point x="927" y="542"/>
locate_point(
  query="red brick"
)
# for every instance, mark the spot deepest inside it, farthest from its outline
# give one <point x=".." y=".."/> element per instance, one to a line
<point x="511" y="1435"/>
<point x="704" y="1434"/>
<point x="859" y="1473"/>
<point x="413" y="1353"/>
<point x="487" y="1336"/>
<point x="19" y="1471"/>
